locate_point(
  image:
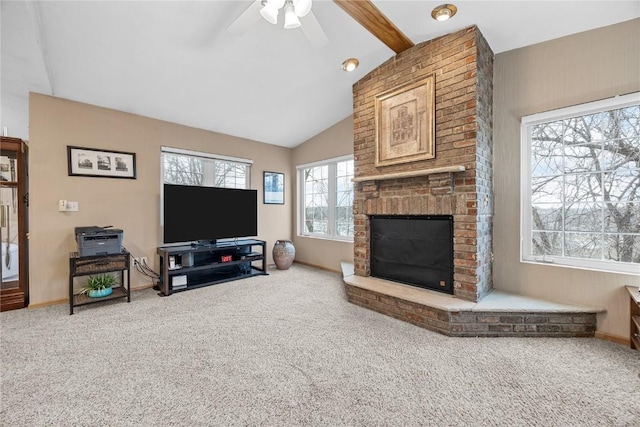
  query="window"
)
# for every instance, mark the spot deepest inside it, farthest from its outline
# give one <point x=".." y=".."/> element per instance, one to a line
<point x="326" y="199"/>
<point x="186" y="167"/>
<point x="581" y="186"/>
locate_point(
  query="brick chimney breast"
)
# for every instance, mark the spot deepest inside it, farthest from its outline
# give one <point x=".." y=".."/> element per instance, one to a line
<point x="462" y="65"/>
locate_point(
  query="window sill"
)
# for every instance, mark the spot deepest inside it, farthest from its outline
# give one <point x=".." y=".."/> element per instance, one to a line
<point x="330" y="238"/>
<point x="627" y="270"/>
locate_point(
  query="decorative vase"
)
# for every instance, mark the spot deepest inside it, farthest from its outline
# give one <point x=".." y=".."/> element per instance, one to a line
<point x="283" y="254"/>
<point x="97" y="293"/>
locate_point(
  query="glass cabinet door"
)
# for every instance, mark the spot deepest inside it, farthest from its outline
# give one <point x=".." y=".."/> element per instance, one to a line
<point x="9" y="261"/>
<point x="13" y="224"/>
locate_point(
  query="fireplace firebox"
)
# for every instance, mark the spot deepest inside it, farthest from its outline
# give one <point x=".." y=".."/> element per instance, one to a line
<point x="413" y="249"/>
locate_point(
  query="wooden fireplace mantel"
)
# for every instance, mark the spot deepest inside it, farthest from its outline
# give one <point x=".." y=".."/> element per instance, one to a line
<point x="411" y="174"/>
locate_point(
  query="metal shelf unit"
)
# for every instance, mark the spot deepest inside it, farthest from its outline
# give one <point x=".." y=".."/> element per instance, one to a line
<point x="209" y="264"/>
<point x="99" y="264"/>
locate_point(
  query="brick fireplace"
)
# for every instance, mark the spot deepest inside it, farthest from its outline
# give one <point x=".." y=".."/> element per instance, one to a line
<point x="458" y="181"/>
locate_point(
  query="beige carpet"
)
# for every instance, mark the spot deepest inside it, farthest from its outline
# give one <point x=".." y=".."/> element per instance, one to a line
<point x="288" y="350"/>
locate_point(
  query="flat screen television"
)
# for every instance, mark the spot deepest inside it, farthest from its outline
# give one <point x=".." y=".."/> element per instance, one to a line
<point x="208" y="213"/>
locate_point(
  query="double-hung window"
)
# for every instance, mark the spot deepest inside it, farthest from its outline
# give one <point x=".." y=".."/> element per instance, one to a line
<point x="581" y="186"/>
<point x="325" y="199"/>
<point x="186" y="167"/>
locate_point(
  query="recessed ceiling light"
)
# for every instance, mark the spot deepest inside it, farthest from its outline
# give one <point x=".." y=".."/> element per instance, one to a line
<point x="350" y="64"/>
<point x="443" y="12"/>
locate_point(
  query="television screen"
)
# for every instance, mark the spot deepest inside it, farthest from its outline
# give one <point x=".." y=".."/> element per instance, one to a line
<point x="208" y="213"/>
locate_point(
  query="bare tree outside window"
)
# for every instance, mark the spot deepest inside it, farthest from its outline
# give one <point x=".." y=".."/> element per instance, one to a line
<point x="316" y="199"/>
<point x="344" y="198"/>
<point x="327" y="199"/>
<point x="183" y="169"/>
<point x="585" y="186"/>
<point x="230" y="174"/>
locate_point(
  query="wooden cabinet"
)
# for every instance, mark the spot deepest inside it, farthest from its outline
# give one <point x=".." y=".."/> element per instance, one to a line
<point x="14" y="201"/>
<point x="634" y="332"/>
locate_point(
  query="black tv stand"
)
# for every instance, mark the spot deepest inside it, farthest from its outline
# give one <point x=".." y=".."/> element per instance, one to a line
<point x="197" y="265"/>
<point x="204" y="243"/>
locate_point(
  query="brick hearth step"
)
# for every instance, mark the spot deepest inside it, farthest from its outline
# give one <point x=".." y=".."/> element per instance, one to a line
<point x="498" y="314"/>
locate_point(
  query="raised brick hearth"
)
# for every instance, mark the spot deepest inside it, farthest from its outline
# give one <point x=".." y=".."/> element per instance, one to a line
<point x="498" y="315"/>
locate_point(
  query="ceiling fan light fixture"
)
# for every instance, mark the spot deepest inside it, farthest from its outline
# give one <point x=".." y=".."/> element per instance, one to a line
<point x="302" y="7"/>
<point x="444" y="12"/>
<point x="291" y="20"/>
<point x="269" y="13"/>
<point x="350" y="64"/>
<point x="276" y="3"/>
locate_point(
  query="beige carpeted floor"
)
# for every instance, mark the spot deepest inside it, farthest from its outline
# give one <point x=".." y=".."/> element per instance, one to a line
<point x="288" y="350"/>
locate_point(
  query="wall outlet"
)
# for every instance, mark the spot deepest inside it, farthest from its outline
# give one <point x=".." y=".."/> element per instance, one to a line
<point x="142" y="260"/>
<point x="67" y="206"/>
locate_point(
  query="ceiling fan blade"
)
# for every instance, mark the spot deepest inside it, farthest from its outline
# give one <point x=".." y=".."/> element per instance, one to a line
<point x="250" y="16"/>
<point x="371" y="18"/>
<point x="313" y="31"/>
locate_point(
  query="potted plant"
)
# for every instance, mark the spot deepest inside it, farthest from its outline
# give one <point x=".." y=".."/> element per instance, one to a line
<point x="99" y="286"/>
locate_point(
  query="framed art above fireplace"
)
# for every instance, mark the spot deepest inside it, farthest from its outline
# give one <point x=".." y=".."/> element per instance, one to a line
<point x="405" y="123"/>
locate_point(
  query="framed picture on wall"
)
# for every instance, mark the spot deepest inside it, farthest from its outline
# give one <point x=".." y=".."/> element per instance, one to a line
<point x="405" y="123"/>
<point x="273" y="188"/>
<point x="100" y="163"/>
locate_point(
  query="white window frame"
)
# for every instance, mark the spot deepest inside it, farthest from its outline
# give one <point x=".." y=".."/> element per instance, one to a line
<point x="331" y="163"/>
<point x="526" y="252"/>
<point x="208" y="156"/>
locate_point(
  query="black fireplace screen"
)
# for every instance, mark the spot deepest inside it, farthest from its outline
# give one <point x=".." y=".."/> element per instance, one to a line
<point x="415" y="250"/>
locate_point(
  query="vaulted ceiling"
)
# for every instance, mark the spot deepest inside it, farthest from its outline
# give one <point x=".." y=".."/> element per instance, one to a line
<point x="176" y="61"/>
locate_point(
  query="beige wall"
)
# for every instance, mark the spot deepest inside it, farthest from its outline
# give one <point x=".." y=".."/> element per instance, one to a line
<point x="132" y="205"/>
<point x="334" y="142"/>
<point x="559" y="73"/>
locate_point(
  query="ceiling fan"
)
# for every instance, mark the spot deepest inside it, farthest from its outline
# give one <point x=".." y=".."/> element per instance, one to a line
<point x="297" y="14"/>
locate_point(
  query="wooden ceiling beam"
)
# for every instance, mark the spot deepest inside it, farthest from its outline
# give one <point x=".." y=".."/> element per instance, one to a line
<point x="370" y="17"/>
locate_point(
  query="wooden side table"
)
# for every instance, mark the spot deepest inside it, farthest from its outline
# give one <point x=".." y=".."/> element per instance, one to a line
<point x="98" y="264"/>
